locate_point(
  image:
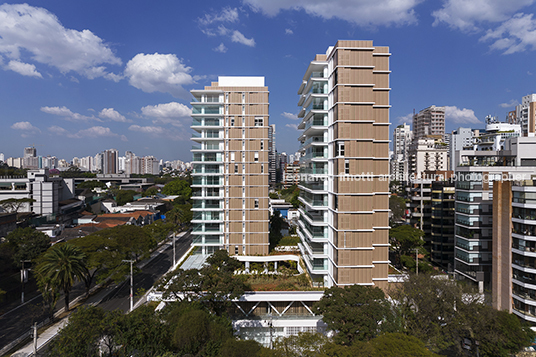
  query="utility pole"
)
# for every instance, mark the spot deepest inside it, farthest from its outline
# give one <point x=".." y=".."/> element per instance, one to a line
<point x="23" y="278"/>
<point x="35" y="338"/>
<point x="417" y="260"/>
<point x="131" y="284"/>
<point x="173" y="249"/>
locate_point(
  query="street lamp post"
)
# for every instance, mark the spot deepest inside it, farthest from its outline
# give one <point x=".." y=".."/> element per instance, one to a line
<point x="131" y="284"/>
<point x="173" y="249"/>
<point x="23" y="278"/>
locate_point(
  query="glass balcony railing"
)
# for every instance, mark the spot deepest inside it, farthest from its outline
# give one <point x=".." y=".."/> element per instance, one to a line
<point x="206" y="110"/>
<point x="208" y="204"/>
<point x="317" y="120"/>
<point x="314" y="139"/>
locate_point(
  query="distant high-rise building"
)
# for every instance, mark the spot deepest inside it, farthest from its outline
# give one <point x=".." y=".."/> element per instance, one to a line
<point x="526" y="115"/>
<point x="230" y="166"/>
<point x="30" y="152"/>
<point x="344" y="224"/>
<point x="459" y="138"/>
<point x="30" y="159"/>
<point x="402" y="137"/>
<point x="110" y="161"/>
<point x="429" y="121"/>
<point x="1" y="156"/>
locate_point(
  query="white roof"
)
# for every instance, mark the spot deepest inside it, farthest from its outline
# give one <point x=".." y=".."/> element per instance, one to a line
<point x="242" y="81"/>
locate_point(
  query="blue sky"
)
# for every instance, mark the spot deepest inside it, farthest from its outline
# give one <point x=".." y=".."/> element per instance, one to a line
<point x="78" y="77"/>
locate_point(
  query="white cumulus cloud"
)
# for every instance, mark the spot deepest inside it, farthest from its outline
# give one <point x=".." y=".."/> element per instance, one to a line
<point x="470" y="15"/>
<point x="460" y="116"/>
<point x="34" y="32"/>
<point x="237" y="36"/>
<point x="167" y="113"/>
<point x="514" y="35"/>
<point x="155" y="130"/>
<point x="408" y="119"/>
<point x="26" y="128"/>
<point x="289" y="32"/>
<point x="510" y="104"/>
<point x="112" y="114"/>
<point x="67" y="114"/>
<point x="159" y="73"/>
<point x="290" y="116"/>
<point x="94" y="132"/>
<point x="25" y="69"/>
<point x="213" y="25"/>
<point x="359" y="12"/>
<point x="292" y="126"/>
<point x="221" y="48"/>
<point x="227" y="15"/>
<point x="58" y="130"/>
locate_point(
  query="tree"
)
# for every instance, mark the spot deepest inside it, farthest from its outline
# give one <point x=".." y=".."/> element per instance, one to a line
<point x="276" y="223"/>
<point x="397" y="205"/>
<point x="405" y="239"/>
<point x="49" y="291"/>
<point x="60" y="266"/>
<point x="214" y="286"/>
<point x="27" y="244"/>
<point x="356" y="312"/>
<point x="88" y="331"/>
<point x="434" y="310"/>
<point x="15" y="204"/>
<point x="195" y="331"/>
<point x="122" y="197"/>
<point x="91" y="184"/>
<point x="240" y="348"/>
<point x="304" y="344"/>
<point x="106" y="249"/>
<point x="179" y="187"/>
<point x="151" y="191"/>
<point x="158" y="230"/>
<point x="142" y="333"/>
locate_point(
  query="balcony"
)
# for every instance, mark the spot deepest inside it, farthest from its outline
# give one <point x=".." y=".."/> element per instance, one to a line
<point x="204" y="109"/>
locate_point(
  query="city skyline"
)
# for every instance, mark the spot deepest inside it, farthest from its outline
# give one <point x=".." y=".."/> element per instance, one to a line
<point x="77" y="79"/>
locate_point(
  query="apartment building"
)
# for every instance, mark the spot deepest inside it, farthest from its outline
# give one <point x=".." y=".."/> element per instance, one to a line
<point x="230" y="166"/>
<point x="344" y="100"/>
<point x="402" y="137"/>
<point x="429" y="121"/>
<point x="458" y="139"/>
<point x="427" y="154"/>
<point x="514" y="248"/>
<point x="476" y="176"/>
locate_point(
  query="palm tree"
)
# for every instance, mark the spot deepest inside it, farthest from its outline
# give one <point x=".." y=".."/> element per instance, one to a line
<point x="61" y="265"/>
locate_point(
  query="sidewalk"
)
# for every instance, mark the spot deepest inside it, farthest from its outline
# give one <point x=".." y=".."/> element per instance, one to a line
<point x="42" y="340"/>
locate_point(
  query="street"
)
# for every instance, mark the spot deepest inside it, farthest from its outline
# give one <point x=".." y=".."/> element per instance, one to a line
<point x="18" y="321"/>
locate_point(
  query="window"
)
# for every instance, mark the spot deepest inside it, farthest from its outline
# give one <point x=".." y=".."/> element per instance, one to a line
<point x="256" y="203"/>
<point x="236" y="250"/>
<point x="262" y="145"/>
<point x="232" y="121"/>
<point x="341" y="149"/>
<point x="258" y="121"/>
<point x="235" y="168"/>
<point x="347" y="167"/>
<point x="256" y="157"/>
<point x="232" y="156"/>
<point x="262" y="169"/>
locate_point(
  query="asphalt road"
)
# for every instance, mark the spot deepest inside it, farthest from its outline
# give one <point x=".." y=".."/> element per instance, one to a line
<point x="18" y="321"/>
<point x="145" y="279"/>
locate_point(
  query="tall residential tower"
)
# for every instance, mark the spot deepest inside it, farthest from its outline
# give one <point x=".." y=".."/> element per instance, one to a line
<point x="230" y="166"/>
<point x="344" y="222"/>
